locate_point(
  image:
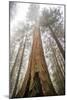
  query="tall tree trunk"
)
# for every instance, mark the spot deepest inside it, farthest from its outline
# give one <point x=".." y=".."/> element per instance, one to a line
<point x="57" y="41"/>
<point x="40" y="65"/>
<point x="16" y="71"/>
<point x="37" y="64"/>
<point x="58" y="74"/>
<point x="25" y="84"/>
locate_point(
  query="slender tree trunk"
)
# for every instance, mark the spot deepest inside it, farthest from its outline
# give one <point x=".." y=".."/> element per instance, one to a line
<point x="58" y="74"/>
<point x="13" y="67"/>
<point x="57" y="41"/>
<point x="26" y="82"/>
<point x="17" y="65"/>
<point x="59" y="66"/>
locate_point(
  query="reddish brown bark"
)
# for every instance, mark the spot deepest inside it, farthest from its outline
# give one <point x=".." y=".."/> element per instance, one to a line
<point x="39" y="60"/>
<point x="37" y="64"/>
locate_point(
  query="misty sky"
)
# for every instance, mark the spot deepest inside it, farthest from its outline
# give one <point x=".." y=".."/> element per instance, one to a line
<point x="22" y="9"/>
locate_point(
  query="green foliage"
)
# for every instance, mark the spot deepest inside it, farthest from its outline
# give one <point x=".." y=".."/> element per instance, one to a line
<point x="53" y="17"/>
<point x="50" y="16"/>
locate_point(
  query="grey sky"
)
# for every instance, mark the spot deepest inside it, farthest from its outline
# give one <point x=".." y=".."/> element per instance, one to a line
<point x="22" y="9"/>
